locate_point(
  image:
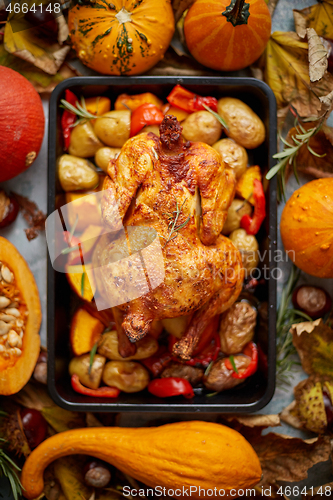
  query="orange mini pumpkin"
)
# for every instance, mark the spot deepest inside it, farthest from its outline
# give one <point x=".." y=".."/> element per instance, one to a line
<point x="121" y="37"/>
<point x="307" y="228"/>
<point x="227" y="35"/>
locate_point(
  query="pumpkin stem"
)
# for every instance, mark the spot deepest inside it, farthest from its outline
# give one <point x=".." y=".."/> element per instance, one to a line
<point x="124" y="16"/>
<point x="237" y="12"/>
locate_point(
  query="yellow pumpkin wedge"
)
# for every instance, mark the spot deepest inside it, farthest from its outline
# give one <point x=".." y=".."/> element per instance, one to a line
<point x="122" y="37"/>
<point x="181" y="454"/>
<point x="18" y="294"/>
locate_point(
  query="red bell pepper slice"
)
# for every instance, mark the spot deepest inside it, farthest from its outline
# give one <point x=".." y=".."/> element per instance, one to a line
<point x="252" y="224"/>
<point x="146" y="114"/>
<point x="68" y="118"/>
<point x="188" y="101"/>
<point x="158" y="361"/>
<point x="249" y="350"/>
<point x="170" y="386"/>
<point x="101" y="392"/>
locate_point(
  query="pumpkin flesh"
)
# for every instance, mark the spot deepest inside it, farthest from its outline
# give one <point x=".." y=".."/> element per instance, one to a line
<point x="16" y="370"/>
<point x="122" y="38"/>
<point x="216" y="43"/>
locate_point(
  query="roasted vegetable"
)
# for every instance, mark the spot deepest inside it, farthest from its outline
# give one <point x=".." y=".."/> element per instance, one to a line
<point x="237" y="327"/>
<point x="244" y="186"/>
<point x="104" y="155"/>
<point x="132" y="102"/>
<point x="237" y="209"/>
<point x="248" y="247"/>
<point x="219" y="377"/>
<point x="170" y="386"/>
<point x="84" y="142"/>
<point x="234" y="156"/>
<point x="85" y="331"/>
<point x="109" y="347"/>
<point x="76" y="173"/>
<point x="244" y="125"/>
<point x="201" y="126"/>
<point x="89" y="374"/>
<point x="128" y="376"/>
<point x="113" y="128"/>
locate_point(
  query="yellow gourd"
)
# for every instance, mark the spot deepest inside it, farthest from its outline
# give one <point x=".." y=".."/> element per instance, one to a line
<point x="173" y="456"/>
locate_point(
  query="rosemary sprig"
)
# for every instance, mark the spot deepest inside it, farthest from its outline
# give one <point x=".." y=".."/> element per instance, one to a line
<point x="173" y="219"/>
<point x="289" y="154"/>
<point x="217" y="116"/>
<point x="82" y="283"/>
<point x="286" y="317"/>
<point x="92" y="356"/>
<point x="9" y="469"/>
<point x="233" y="364"/>
<point x="80" y="110"/>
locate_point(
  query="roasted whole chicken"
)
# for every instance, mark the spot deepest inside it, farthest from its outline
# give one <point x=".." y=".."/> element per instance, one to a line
<point x="181" y="191"/>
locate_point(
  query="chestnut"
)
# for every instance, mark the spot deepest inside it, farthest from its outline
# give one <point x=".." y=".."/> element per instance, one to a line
<point x="34" y="426"/>
<point x="97" y="474"/>
<point x="312" y="300"/>
<point x="9" y="209"/>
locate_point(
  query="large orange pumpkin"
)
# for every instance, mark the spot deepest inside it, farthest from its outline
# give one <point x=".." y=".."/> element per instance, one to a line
<point x="227" y="36"/>
<point x="122" y="37"/>
<point x="307" y="228"/>
<point x="21" y="123"/>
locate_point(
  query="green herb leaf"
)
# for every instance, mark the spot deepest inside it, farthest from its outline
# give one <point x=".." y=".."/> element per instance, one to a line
<point x="92" y="356"/>
<point x="82" y="283"/>
<point x="217" y="116"/>
<point x="233" y="364"/>
<point x="8" y="469"/>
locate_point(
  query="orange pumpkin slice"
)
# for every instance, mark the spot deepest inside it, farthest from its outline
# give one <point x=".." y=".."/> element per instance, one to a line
<point x="86" y="330"/>
<point x="20" y="319"/>
<point x="82" y="283"/>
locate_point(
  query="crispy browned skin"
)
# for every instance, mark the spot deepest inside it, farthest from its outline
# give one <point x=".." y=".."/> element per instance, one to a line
<point x="203" y="269"/>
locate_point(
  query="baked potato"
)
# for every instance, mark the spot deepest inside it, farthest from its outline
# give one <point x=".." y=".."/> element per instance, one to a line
<point x="108" y="347"/>
<point x="84" y="142"/>
<point x="248" y="246"/>
<point x="219" y="378"/>
<point x="237" y="327"/>
<point x="76" y="173"/>
<point x="237" y="209"/>
<point x="113" y="128"/>
<point x="244" y="125"/>
<point x="202" y="126"/>
<point x="128" y="376"/>
<point x="104" y="155"/>
<point x="80" y="367"/>
<point x="234" y="156"/>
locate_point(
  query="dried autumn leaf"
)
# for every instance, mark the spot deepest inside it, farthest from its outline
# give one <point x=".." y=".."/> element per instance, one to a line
<point x="40" y="80"/>
<point x="301" y="24"/>
<point x="69" y="473"/>
<point x="319" y="17"/>
<point x="317" y="56"/>
<point x="179" y="7"/>
<point x="27" y="44"/>
<point x="287" y="459"/>
<point x="290" y="416"/>
<point x="310" y="407"/>
<point x="315" y="348"/>
<point x="287" y="73"/>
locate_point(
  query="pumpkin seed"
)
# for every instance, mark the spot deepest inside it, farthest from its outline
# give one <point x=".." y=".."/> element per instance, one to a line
<point x="4" y="302"/>
<point x="6" y="274"/>
<point x="14" y="340"/>
<point x="19" y="323"/>
<point x="8" y="318"/>
<point x="16" y="351"/>
<point x="2" y="348"/>
<point x="4" y="327"/>
<point x="13" y="311"/>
